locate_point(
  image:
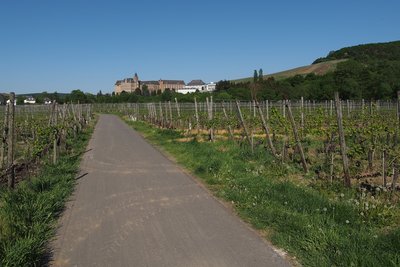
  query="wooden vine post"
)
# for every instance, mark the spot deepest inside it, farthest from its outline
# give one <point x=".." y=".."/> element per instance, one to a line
<point x="155" y="113"/>
<point x="161" y="115"/>
<point x="396" y="161"/>
<point x="63" y="135"/>
<point x="178" y="112"/>
<point x="197" y="116"/>
<point x="343" y="148"/>
<point x="75" y="127"/>
<point x="302" y="114"/>
<point x="362" y="106"/>
<point x="210" y="117"/>
<point x="11" y="143"/>
<point x="296" y="137"/>
<point x="227" y="121"/>
<point x="56" y="136"/>
<point x="166" y="116"/>
<point x="384" y="159"/>
<point x="170" y="115"/>
<point x="5" y="136"/>
<point x="211" y="114"/>
<point x="267" y="132"/>
<point x="242" y="122"/>
<point x="397" y="108"/>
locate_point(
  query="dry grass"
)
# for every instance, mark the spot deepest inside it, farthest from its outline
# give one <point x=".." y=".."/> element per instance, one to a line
<point x="318" y="69"/>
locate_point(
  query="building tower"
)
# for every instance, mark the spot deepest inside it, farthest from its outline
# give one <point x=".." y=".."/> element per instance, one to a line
<point x="136" y="81"/>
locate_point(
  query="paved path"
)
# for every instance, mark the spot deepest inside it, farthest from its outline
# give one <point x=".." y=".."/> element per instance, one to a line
<point x="137" y="208"/>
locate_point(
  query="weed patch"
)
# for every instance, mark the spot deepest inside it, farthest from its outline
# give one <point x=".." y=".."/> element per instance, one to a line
<point x="29" y="213"/>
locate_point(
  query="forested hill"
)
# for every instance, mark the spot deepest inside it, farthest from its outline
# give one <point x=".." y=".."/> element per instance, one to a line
<point x="370" y="71"/>
<point x="365" y="53"/>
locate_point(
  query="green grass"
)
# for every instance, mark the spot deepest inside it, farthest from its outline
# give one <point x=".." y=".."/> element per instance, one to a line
<point x="28" y="214"/>
<point x="318" y="223"/>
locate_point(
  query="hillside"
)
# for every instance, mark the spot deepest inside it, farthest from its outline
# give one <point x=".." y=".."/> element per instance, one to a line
<point x="318" y="69"/>
<point x="361" y="53"/>
<point x="368" y="71"/>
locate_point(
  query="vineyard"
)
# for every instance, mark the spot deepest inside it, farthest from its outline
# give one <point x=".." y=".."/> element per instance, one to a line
<point x="353" y="141"/>
<point x="318" y="179"/>
<point x="322" y="175"/>
<point x="33" y="133"/>
<point x="39" y="156"/>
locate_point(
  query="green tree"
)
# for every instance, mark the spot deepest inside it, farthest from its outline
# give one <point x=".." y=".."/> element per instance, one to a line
<point x="40" y="97"/>
<point x="133" y="98"/>
<point x="166" y="95"/>
<point x="385" y="91"/>
<point x="20" y="100"/>
<point x="90" y="98"/>
<point x="145" y="91"/>
<point x="223" y="85"/>
<point x="56" y="97"/>
<point x="223" y="96"/>
<point x="77" y="96"/>
<point x="123" y="97"/>
<point x="255" y="76"/>
<point x="138" y="91"/>
<point x="260" y="75"/>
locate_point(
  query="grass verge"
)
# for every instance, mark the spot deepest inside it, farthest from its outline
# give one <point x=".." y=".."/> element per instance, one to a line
<point x="28" y="214"/>
<point x="318" y="223"/>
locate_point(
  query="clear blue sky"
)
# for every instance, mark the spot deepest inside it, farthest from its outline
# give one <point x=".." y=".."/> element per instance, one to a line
<point x="61" y="45"/>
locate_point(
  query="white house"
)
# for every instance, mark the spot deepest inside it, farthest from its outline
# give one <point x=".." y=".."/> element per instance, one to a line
<point x="193" y="86"/>
<point x="29" y="100"/>
<point x="186" y="90"/>
<point x="15" y="102"/>
<point x="197" y="85"/>
<point x="211" y="87"/>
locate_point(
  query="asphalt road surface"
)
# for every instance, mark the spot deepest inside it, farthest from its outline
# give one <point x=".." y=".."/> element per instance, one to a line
<point x="134" y="207"/>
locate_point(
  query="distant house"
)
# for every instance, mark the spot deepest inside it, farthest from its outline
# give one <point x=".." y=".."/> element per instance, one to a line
<point x="29" y="100"/>
<point x="15" y="102"/>
<point x="193" y="86"/>
<point x="47" y="101"/>
<point x="197" y="85"/>
<point x="211" y="87"/>
<point x="186" y="90"/>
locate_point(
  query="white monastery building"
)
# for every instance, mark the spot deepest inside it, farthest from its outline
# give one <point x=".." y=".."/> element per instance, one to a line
<point x="197" y="85"/>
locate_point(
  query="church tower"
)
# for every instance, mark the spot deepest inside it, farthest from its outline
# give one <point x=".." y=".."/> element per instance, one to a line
<point x="136" y="81"/>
